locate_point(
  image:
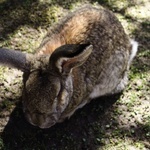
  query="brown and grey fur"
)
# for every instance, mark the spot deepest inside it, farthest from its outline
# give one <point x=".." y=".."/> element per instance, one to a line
<point x="85" y="56"/>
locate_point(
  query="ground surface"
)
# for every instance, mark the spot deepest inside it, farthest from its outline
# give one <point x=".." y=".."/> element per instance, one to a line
<point x="125" y="125"/>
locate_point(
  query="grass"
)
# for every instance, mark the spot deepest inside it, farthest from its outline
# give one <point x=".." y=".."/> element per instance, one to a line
<point x="123" y="126"/>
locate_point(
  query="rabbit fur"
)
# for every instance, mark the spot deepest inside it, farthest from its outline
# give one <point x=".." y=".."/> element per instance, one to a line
<point x="85" y="56"/>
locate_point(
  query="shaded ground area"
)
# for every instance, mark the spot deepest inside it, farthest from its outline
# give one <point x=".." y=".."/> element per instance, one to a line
<point x="119" y="122"/>
<point x="77" y="133"/>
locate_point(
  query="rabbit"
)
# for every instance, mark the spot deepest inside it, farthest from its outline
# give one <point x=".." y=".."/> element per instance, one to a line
<point x="85" y="56"/>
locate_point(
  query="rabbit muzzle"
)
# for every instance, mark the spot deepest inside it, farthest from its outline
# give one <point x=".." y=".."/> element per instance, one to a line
<point x="41" y="120"/>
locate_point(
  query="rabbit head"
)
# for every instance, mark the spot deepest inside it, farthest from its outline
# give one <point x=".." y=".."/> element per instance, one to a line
<point x="48" y="82"/>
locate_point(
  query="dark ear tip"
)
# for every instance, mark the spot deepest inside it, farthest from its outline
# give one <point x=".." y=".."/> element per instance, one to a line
<point x="79" y="48"/>
<point x="90" y="46"/>
<point x="69" y="50"/>
<point x="83" y="46"/>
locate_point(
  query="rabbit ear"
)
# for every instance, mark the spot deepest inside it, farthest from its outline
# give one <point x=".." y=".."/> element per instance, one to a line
<point x="12" y="58"/>
<point x="66" y="57"/>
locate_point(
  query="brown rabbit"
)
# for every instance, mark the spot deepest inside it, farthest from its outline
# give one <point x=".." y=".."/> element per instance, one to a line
<point x="85" y="56"/>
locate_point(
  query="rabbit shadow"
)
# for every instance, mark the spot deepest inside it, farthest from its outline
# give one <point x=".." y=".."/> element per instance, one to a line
<point x="19" y="134"/>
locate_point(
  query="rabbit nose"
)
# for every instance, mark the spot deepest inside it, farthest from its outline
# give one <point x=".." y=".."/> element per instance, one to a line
<point x="47" y="124"/>
<point x="49" y="121"/>
<point x="40" y="120"/>
<point x="34" y="119"/>
<point x="37" y="120"/>
<point x="29" y="119"/>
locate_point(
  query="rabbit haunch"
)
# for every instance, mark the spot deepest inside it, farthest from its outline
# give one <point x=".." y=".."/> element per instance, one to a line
<point x="85" y="56"/>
